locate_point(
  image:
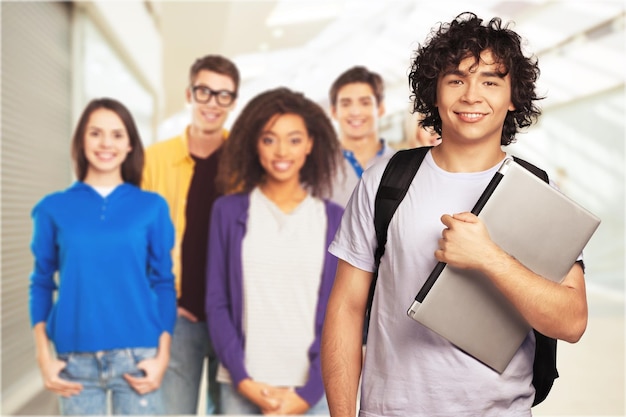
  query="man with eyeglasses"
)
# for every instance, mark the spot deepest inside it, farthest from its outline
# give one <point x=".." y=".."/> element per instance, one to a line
<point x="183" y="169"/>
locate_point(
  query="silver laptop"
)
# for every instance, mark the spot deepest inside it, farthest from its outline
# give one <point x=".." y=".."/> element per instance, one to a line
<point x="538" y="225"/>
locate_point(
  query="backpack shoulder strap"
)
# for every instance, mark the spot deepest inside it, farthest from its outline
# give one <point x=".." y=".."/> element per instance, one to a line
<point x="532" y="168"/>
<point x="394" y="184"/>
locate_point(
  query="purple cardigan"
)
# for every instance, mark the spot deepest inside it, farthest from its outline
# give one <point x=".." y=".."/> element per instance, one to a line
<point x="224" y="295"/>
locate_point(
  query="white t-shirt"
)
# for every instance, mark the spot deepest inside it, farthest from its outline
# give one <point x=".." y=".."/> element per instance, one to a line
<point x="282" y="260"/>
<point x="409" y="370"/>
<point x="104" y="191"/>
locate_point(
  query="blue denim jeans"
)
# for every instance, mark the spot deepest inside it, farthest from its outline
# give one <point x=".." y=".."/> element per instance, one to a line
<point x="182" y="381"/>
<point x="232" y="402"/>
<point x="103" y="372"/>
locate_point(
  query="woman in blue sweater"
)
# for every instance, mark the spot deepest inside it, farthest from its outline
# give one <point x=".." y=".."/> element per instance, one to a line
<point x="269" y="273"/>
<point x="115" y="303"/>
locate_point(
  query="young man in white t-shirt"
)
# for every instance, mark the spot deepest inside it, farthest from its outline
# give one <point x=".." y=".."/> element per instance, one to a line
<point x="476" y="89"/>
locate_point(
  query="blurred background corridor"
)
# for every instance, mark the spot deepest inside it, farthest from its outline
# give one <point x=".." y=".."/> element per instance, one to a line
<point x="56" y="56"/>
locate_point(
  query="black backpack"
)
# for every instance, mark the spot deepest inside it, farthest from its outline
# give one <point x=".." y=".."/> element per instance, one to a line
<point x="394" y="185"/>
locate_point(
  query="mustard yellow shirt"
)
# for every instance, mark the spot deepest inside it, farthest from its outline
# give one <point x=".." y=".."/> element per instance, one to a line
<point x="168" y="169"/>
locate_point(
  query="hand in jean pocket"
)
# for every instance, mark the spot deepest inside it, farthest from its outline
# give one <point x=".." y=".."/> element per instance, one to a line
<point x="153" y="369"/>
<point x="50" y="370"/>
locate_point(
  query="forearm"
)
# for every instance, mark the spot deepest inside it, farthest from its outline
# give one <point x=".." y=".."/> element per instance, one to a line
<point x="342" y="335"/>
<point x="42" y="343"/>
<point x="313" y="390"/>
<point x="163" y="350"/>
<point x="161" y="266"/>
<point x="50" y="367"/>
<point x="167" y="305"/>
<point x="341" y="364"/>
<point x="557" y="310"/>
<point x="227" y="342"/>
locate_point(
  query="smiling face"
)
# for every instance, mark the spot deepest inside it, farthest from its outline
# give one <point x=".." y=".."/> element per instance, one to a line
<point x="283" y="147"/>
<point x="357" y="112"/>
<point x="473" y="101"/>
<point x="210" y="117"/>
<point x="106" y="146"/>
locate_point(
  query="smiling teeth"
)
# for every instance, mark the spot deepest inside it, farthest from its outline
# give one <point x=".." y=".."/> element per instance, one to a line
<point x="282" y="166"/>
<point x="211" y="116"/>
<point x="471" y="115"/>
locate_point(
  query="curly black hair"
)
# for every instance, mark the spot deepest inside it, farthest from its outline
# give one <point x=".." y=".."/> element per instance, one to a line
<point x="240" y="169"/>
<point x="464" y="37"/>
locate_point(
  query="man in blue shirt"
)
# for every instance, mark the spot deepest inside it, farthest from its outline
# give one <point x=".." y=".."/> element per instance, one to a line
<point x="357" y="104"/>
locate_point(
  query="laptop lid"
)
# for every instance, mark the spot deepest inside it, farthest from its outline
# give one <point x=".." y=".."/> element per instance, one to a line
<point x="538" y="225"/>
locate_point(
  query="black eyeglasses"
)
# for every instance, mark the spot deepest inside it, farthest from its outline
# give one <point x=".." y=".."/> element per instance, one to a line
<point x="203" y="94"/>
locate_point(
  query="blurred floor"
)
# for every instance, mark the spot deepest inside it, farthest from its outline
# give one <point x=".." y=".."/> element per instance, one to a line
<point x="45" y="403"/>
<point x="591" y="381"/>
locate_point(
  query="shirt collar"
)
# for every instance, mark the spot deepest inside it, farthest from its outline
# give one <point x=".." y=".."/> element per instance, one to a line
<point x="358" y="169"/>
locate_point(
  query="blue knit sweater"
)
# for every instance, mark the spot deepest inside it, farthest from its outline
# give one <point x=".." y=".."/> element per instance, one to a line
<point x="115" y="283"/>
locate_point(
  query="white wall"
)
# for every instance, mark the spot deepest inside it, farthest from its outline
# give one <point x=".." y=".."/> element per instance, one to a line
<point x="132" y="26"/>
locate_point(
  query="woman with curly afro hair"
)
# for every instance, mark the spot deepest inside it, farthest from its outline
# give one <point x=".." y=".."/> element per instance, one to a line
<point x="269" y="273"/>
